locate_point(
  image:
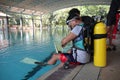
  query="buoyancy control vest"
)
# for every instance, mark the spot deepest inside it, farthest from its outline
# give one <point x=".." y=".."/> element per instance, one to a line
<point x="78" y="42"/>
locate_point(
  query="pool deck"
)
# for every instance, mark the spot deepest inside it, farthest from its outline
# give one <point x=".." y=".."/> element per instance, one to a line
<point x="89" y="71"/>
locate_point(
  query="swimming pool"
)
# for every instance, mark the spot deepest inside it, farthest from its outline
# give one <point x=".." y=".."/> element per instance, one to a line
<point x="17" y="60"/>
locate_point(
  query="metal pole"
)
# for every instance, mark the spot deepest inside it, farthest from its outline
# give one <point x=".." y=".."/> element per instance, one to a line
<point x="41" y="22"/>
<point x="33" y="26"/>
<point x="3" y="29"/>
<point x="6" y="24"/>
<point x="21" y="27"/>
<point x="21" y="23"/>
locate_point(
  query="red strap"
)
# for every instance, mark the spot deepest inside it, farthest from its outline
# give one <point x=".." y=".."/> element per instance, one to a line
<point x="75" y="63"/>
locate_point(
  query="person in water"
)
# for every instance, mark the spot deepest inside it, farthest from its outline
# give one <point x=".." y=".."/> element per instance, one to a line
<point x="77" y="53"/>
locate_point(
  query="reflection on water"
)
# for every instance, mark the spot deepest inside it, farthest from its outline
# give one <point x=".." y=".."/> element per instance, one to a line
<point x="28" y="46"/>
<point x="43" y="36"/>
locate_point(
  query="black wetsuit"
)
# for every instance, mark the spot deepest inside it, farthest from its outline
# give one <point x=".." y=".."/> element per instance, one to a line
<point x="111" y="17"/>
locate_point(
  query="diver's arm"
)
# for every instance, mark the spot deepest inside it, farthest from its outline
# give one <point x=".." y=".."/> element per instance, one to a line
<point x="68" y="38"/>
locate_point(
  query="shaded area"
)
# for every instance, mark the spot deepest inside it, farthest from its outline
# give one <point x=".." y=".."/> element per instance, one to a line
<point x="79" y="72"/>
<point x="88" y="72"/>
<point x="36" y="69"/>
<point x="60" y="73"/>
<point x="112" y="70"/>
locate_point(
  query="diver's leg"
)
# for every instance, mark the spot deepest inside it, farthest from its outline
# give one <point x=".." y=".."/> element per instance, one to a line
<point x="54" y="58"/>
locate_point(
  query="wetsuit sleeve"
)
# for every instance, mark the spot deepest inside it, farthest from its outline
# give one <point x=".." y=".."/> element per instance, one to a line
<point x="76" y="30"/>
<point x="111" y="17"/>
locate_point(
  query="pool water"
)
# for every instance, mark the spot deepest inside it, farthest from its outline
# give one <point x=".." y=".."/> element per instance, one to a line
<point x="17" y="60"/>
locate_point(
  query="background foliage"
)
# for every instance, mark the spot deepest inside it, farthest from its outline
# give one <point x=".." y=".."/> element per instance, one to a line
<point x="58" y="18"/>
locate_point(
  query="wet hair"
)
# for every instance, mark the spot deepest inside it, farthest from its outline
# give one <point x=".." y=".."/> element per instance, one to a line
<point x="73" y="14"/>
<point x="74" y="11"/>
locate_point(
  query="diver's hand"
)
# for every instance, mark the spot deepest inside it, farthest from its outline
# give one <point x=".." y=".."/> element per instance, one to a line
<point x="63" y="42"/>
<point x="63" y="45"/>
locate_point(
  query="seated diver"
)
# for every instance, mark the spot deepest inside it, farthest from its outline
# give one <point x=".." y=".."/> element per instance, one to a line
<point x="77" y="53"/>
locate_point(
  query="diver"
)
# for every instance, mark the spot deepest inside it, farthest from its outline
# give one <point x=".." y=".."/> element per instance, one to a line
<point x="77" y="54"/>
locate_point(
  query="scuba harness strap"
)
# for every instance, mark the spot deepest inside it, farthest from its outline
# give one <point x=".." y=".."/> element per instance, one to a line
<point x="75" y="47"/>
<point x="82" y="37"/>
<point x="75" y="54"/>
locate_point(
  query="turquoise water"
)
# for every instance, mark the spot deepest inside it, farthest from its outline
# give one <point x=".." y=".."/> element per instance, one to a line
<point x="17" y="60"/>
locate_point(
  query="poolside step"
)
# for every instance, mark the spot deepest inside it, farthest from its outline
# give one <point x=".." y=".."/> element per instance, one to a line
<point x="62" y="74"/>
<point x="80" y="72"/>
<point x="59" y="73"/>
<point x="88" y="72"/>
